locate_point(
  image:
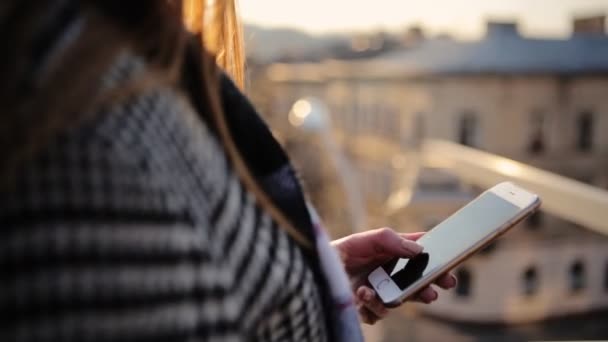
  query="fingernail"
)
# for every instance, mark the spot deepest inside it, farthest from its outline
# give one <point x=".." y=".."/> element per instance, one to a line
<point x="454" y="281"/>
<point x="369" y="295"/>
<point x="412" y="246"/>
<point x="361" y="292"/>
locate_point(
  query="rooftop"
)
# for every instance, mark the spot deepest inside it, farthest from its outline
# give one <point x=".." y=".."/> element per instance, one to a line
<point x="504" y="51"/>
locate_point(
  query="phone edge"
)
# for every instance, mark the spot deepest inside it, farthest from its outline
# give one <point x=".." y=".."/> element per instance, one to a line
<point x="475" y="248"/>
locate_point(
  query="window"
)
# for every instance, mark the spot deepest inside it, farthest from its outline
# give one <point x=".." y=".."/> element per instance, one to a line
<point x="463" y="289"/>
<point x="535" y="221"/>
<point x="376" y="119"/>
<point x="489" y="248"/>
<point x="584" y="125"/>
<point x="606" y="277"/>
<point x="475" y="189"/>
<point x="586" y="178"/>
<point x="602" y="181"/>
<point x="357" y="121"/>
<point x="350" y="122"/>
<point x="394" y="119"/>
<point x="419" y="129"/>
<point x="577" y="276"/>
<point x="338" y="116"/>
<point x="361" y="124"/>
<point x="468" y="129"/>
<point x="434" y="185"/>
<point x="530" y="281"/>
<point x="537" y="141"/>
<point x="367" y="119"/>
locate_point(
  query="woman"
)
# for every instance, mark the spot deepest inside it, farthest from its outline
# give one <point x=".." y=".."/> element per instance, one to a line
<point x="143" y="199"/>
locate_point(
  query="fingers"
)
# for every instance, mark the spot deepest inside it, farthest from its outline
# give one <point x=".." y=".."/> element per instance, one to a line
<point x="367" y="297"/>
<point x="427" y="295"/>
<point x="371" y="309"/>
<point x="379" y="242"/>
<point x="367" y="316"/>
<point x="412" y="236"/>
<point x="446" y="281"/>
<point x="387" y="241"/>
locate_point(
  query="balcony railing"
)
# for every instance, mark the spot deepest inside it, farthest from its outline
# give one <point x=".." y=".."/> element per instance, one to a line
<point x="563" y="197"/>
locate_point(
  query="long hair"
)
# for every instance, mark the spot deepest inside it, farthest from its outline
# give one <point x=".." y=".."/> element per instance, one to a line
<point x="221" y="33"/>
<point x="40" y="103"/>
<point x="223" y="37"/>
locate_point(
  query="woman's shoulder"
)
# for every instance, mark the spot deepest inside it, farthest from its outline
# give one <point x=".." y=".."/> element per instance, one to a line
<point x="130" y="153"/>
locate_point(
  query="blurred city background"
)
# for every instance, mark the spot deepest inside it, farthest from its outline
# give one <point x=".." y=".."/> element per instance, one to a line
<point x="399" y="112"/>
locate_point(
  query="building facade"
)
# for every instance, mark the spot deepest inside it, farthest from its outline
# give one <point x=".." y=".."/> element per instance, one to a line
<point x="539" y="101"/>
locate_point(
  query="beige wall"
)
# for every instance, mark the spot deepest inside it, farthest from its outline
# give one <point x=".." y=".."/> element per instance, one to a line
<point x="496" y="289"/>
<point x="385" y="109"/>
<point x="590" y="93"/>
<point x="361" y="111"/>
<point x="504" y="105"/>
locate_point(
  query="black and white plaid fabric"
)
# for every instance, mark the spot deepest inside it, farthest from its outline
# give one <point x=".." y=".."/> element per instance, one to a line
<point x="134" y="227"/>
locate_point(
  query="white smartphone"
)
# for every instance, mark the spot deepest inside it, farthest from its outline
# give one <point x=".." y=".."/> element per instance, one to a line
<point x="454" y="240"/>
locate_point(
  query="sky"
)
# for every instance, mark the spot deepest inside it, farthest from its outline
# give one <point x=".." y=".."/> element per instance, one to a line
<point x="463" y="18"/>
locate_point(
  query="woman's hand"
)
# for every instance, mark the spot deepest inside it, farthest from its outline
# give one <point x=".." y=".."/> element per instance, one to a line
<point x="361" y="253"/>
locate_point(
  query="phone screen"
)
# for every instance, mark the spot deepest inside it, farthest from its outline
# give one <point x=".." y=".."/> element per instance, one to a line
<point x="452" y="237"/>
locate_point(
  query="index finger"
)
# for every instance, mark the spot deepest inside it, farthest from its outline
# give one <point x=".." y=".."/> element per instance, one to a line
<point x="412" y="236"/>
<point x="382" y="242"/>
<point x="446" y="281"/>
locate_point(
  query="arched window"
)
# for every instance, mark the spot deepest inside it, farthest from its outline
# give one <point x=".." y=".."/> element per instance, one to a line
<point x="463" y="289"/>
<point x="577" y="276"/>
<point x="530" y="281"/>
<point x="489" y="248"/>
<point x="606" y="277"/>
<point x="535" y="221"/>
<point x="419" y="129"/>
<point x="584" y="137"/>
<point x="468" y="129"/>
<point x="537" y="136"/>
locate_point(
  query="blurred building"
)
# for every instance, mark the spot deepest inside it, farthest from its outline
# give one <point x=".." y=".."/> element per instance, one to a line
<point x="539" y="101"/>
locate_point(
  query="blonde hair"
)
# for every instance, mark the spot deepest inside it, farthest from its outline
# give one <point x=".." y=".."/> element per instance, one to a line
<point x="64" y="96"/>
<point x="219" y="27"/>
<point x="221" y="34"/>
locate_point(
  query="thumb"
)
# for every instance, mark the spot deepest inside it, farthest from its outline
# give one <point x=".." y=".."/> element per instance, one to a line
<point x="387" y="241"/>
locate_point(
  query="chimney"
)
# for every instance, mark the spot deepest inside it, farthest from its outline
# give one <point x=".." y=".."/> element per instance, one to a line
<point x="496" y="29"/>
<point x="590" y="25"/>
<point x="413" y="36"/>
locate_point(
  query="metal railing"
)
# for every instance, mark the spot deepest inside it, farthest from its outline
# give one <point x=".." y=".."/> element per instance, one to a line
<point x="563" y="197"/>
